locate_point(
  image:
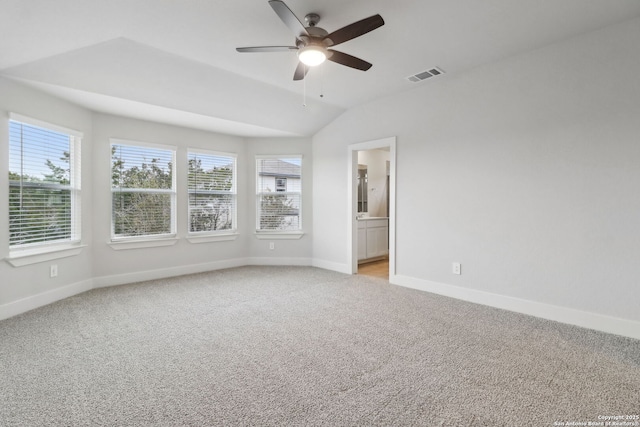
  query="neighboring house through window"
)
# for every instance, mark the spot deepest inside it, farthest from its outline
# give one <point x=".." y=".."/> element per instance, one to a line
<point x="212" y="192"/>
<point x="279" y="193"/>
<point x="44" y="184"/>
<point x="281" y="184"/>
<point x="143" y="190"/>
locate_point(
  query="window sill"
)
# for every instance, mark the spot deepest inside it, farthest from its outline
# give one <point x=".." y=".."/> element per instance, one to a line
<point x="207" y="238"/>
<point x="24" y="257"/>
<point x="279" y="235"/>
<point x="139" y="244"/>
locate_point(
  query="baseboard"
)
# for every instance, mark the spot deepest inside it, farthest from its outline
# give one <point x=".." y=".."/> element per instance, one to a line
<point x="29" y="303"/>
<point x="608" y="324"/>
<point x="333" y="266"/>
<point x="32" y="302"/>
<point x="599" y="322"/>
<point x="303" y="262"/>
<point x="141" y="276"/>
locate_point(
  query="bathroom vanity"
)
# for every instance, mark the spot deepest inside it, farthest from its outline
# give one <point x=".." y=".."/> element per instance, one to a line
<point x="373" y="238"/>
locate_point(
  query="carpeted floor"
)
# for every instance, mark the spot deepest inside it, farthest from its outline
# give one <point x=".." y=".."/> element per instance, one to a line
<point x="303" y="346"/>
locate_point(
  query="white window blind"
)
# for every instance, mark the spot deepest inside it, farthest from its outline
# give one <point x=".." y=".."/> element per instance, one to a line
<point x="44" y="184"/>
<point x="279" y="193"/>
<point x="143" y="190"/>
<point x="212" y="192"/>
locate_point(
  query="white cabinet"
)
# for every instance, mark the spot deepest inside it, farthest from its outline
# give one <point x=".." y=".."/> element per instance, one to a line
<point x="377" y="242"/>
<point x="362" y="243"/>
<point x="373" y="238"/>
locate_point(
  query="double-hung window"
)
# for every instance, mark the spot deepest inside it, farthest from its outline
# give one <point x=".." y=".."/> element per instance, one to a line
<point x="143" y="190"/>
<point x="279" y="194"/>
<point x="212" y="192"/>
<point x="44" y="184"/>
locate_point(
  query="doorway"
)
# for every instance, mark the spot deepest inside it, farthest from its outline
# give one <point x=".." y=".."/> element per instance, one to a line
<point x="378" y="268"/>
<point x="383" y="190"/>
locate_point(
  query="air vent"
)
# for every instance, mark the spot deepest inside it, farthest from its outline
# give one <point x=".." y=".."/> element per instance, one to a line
<point x="425" y="75"/>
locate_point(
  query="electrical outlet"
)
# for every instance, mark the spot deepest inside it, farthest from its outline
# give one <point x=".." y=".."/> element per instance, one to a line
<point x="272" y="245"/>
<point x="456" y="268"/>
<point x="53" y="270"/>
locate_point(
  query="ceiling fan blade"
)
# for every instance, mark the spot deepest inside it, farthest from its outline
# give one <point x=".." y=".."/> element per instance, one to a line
<point x="288" y="17"/>
<point x="348" y="60"/>
<point x="354" y="30"/>
<point x="301" y="71"/>
<point x="266" y="49"/>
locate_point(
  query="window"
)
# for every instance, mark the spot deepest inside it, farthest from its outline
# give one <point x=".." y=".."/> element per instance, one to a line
<point x="142" y="189"/>
<point x="44" y="184"/>
<point x="279" y="193"/>
<point x="212" y="192"/>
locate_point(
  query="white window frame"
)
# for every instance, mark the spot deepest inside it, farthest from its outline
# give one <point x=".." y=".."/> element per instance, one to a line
<point x="29" y="253"/>
<point x="151" y="240"/>
<point x="278" y="234"/>
<point x="214" y="235"/>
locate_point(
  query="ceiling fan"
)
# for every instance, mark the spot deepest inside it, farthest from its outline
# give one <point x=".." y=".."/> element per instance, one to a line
<point x="313" y="43"/>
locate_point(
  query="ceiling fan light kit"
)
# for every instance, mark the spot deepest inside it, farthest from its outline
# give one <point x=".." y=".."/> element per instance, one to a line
<point x="312" y="42"/>
<point x="312" y="55"/>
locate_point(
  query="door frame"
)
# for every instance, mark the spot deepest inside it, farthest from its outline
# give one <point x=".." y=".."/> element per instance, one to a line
<point x="352" y="185"/>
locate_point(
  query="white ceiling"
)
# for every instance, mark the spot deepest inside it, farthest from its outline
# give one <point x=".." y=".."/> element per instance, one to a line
<point x="175" y="61"/>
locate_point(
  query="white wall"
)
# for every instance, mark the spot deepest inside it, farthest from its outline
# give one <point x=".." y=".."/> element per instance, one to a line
<point x="99" y="264"/>
<point x="525" y="171"/>
<point x="121" y="266"/>
<point x="296" y="251"/>
<point x="74" y="274"/>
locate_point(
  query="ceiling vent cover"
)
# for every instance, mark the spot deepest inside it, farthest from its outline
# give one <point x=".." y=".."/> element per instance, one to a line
<point x="424" y="75"/>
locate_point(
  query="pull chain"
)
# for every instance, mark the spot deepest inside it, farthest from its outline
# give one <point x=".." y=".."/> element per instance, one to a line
<point x="322" y="81"/>
<point x="304" y="88"/>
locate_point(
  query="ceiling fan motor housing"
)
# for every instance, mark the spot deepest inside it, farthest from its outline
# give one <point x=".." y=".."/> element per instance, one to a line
<point x="316" y="36"/>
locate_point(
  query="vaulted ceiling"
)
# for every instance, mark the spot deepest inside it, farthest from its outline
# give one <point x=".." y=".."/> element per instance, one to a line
<point x="175" y="61"/>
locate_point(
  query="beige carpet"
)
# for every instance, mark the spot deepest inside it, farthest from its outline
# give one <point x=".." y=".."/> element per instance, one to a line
<point x="302" y="346"/>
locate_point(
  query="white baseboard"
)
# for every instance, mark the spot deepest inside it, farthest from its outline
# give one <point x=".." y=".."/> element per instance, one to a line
<point x="599" y="322"/>
<point x="333" y="266"/>
<point x="141" y="276"/>
<point x="304" y="262"/>
<point x="29" y="303"/>
<point x="608" y="324"/>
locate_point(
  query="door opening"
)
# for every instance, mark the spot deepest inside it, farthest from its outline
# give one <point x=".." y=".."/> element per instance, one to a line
<point x="371" y="191"/>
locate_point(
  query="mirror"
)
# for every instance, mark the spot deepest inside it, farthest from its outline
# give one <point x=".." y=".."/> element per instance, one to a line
<point x="362" y="189"/>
